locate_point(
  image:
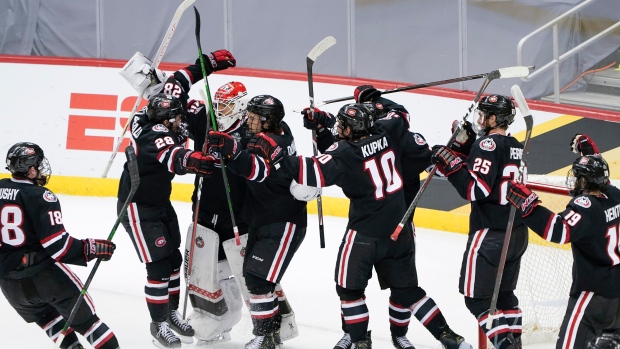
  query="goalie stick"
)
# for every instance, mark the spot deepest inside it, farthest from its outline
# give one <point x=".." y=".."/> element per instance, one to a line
<point x="158" y="57"/>
<point x="207" y="97"/>
<point x="529" y="124"/>
<point x="503" y="73"/>
<point x="134" y="176"/>
<point x="316" y="51"/>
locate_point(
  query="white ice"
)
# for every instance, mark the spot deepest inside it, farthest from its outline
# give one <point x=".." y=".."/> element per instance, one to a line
<point x="118" y="286"/>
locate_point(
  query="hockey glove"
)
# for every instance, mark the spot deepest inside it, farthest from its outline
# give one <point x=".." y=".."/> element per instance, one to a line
<point x="267" y="148"/>
<point x="96" y="248"/>
<point x="365" y="93"/>
<point x="584" y="145"/>
<point x="464" y="139"/>
<point x="522" y="197"/>
<point x="223" y="143"/>
<point x="315" y="119"/>
<point x="197" y="162"/>
<point x="220" y="60"/>
<point x="447" y="161"/>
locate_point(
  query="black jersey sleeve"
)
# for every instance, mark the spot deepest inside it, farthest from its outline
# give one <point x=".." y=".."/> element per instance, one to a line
<point x="324" y="139"/>
<point x="475" y="181"/>
<point x="562" y="228"/>
<point x="250" y="166"/>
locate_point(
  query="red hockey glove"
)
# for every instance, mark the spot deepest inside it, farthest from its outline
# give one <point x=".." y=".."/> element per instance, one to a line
<point x="464" y="139"/>
<point x="96" y="248"/>
<point x="584" y="145"/>
<point x="267" y="148"/>
<point x="219" y="60"/>
<point x="223" y="143"/>
<point x="316" y="119"/>
<point x="197" y="162"/>
<point x="522" y="197"/>
<point x="365" y="93"/>
<point x="447" y="161"/>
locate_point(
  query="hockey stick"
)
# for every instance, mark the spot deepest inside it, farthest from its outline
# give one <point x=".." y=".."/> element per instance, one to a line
<point x="529" y="124"/>
<point x="503" y="73"/>
<point x="316" y="51"/>
<point x="158" y="57"/>
<point x="134" y="176"/>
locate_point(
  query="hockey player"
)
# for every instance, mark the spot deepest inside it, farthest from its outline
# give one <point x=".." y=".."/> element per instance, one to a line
<point x="590" y="223"/>
<point x="34" y="251"/>
<point x="481" y="178"/>
<point x="606" y="341"/>
<point x="277" y="222"/>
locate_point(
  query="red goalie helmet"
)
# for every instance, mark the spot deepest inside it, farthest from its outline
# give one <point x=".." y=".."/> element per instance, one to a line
<point x="230" y="104"/>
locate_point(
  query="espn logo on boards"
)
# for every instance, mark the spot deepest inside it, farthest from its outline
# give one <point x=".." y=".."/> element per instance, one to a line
<point x="82" y="123"/>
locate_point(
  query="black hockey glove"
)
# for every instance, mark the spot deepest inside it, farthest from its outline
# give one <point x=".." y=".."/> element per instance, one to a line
<point x="197" y="162"/>
<point x="266" y="147"/>
<point x="96" y="248"/>
<point x="522" y="197"/>
<point x="464" y="139"/>
<point x="218" y="60"/>
<point x="446" y="160"/>
<point x="223" y="143"/>
<point x="315" y="119"/>
<point x="365" y="93"/>
<point x="584" y="145"/>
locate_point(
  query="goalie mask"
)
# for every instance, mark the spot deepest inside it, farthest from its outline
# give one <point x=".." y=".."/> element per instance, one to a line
<point x="230" y="104"/>
<point x="163" y="107"/>
<point x="24" y="155"/>
<point x="358" y="118"/>
<point x="502" y="107"/>
<point x="267" y="110"/>
<point x="588" y="173"/>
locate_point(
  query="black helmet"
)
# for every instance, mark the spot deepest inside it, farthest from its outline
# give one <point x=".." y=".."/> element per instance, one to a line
<point x="376" y="109"/>
<point x="164" y="107"/>
<point x="269" y="109"/>
<point x="24" y="155"/>
<point x="594" y="170"/>
<point x="605" y="341"/>
<point x="502" y="107"/>
<point x="356" y="116"/>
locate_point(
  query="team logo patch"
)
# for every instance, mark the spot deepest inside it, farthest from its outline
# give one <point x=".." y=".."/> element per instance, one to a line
<point x="488" y="144"/>
<point x="351" y="112"/>
<point x="29" y="151"/>
<point x="332" y="147"/>
<point x="49" y="196"/>
<point x="268" y="101"/>
<point x="165" y="104"/>
<point x="160" y="128"/>
<point x="419" y="139"/>
<point x="583" y="202"/>
<point x="493" y="99"/>
<point x="583" y="161"/>
<point x="200" y="242"/>
<point x="379" y="106"/>
<point x="160" y="242"/>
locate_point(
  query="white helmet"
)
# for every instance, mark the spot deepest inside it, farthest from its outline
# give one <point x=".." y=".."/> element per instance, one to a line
<point x="230" y="104"/>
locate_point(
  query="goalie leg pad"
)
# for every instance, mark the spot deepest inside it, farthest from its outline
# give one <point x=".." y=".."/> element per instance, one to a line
<point x="235" y="255"/>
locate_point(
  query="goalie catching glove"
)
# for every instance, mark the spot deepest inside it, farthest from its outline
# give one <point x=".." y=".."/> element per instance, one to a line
<point x="315" y="119"/>
<point x="197" y="162"/>
<point x="96" y="248"/>
<point x="266" y="147"/>
<point x="584" y="145"/>
<point x="522" y="197"/>
<point x="447" y="161"/>
<point x="144" y="79"/>
<point x="224" y="144"/>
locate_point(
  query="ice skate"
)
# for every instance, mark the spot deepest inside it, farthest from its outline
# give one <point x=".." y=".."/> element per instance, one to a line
<point x="401" y="343"/>
<point x="261" y="342"/>
<point x="344" y="342"/>
<point x="367" y="344"/>
<point x="184" y="331"/>
<point x="219" y="338"/>
<point x="451" y="340"/>
<point x="163" y="337"/>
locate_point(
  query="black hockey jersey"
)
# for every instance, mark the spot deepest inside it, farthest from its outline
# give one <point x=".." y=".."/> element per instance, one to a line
<point x="493" y="161"/>
<point x="592" y="225"/>
<point x="369" y="173"/>
<point x="268" y="198"/>
<point x="32" y="222"/>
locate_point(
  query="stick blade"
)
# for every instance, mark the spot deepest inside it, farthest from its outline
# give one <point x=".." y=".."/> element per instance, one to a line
<point x="514" y="72"/>
<point x="132" y="166"/>
<point x="319" y="48"/>
<point x="197" y="27"/>
<point x="517" y="94"/>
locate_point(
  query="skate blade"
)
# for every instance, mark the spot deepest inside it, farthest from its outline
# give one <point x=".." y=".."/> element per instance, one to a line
<point x="221" y="338"/>
<point x="161" y="346"/>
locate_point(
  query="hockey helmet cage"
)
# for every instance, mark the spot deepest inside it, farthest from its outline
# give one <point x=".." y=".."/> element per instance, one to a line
<point x="269" y="109"/>
<point x="357" y="117"/>
<point x="23" y="155"/>
<point x="230" y="103"/>
<point x="502" y="107"/>
<point x="593" y="168"/>
<point x="164" y="107"/>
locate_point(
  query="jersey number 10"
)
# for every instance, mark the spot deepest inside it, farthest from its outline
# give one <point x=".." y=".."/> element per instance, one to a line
<point x="390" y="173"/>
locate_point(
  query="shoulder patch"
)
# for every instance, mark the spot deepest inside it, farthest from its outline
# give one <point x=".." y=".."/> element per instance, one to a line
<point x="332" y="147"/>
<point x="582" y="201"/>
<point x="49" y="196"/>
<point x="419" y="139"/>
<point x="160" y="128"/>
<point x="487" y="144"/>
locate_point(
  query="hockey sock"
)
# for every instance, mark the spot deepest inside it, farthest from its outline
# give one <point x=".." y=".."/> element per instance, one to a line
<point x="156" y="292"/>
<point x="499" y="329"/>
<point x="399" y="319"/>
<point x="428" y="313"/>
<point x="97" y="333"/>
<point x="509" y="304"/>
<point x="52" y="324"/>
<point x="355" y="314"/>
<point x="263" y="310"/>
<point x="174" y="289"/>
